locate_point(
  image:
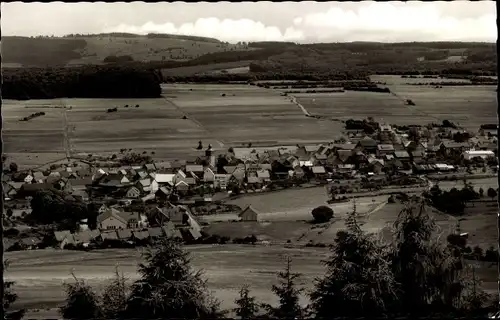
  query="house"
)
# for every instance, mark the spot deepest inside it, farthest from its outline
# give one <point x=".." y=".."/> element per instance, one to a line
<point x="149" y="167"/>
<point x="164" y="178"/>
<point x="124" y="234"/>
<point x="86" y="237"/>
<point x="109" y="235"/>
<point x="253" y="180"/>
<point x="403" y="156"/>
<point x="115" y="219"/>
<point x="417" y="156"/>
<point x="484" y="154"/>
<point x="182" y="186"/>
<point x="383" y="149"/>
<point x="80" y="194"/>
<point x="133" y="192"/>
<point x="368" y="145"/>
<point x="163" y="193"/>
<point x="306" y="150"/>
<point x="319" y="172"/>
<point x="208" y="175"/>
<point x="38" y="177"/>
<point x="81" y="183"/>
<point x="179" y="176"/>
<point x="60" y="236"/>
<point x="195" y="168"/>
<point x="265" y="176"/>
<point x="163" y="167"/>
<point x="221" y="180"/>
<point x="155" y="233"/>
<point x="229" y="169"/>
<point x="170" y="231"/>
<point x="248" y="214"/>
<point x="453" y="148"/>
<point x="239" y="174"/>
<point x="28" y="178"/>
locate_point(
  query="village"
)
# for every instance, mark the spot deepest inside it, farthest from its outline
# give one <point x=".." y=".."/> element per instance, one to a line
<point x="132" y="200"/>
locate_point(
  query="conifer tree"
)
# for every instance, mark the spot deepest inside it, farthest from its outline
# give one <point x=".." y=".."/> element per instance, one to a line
<point x="246" y="305"/>
<point x="288" y="294"/>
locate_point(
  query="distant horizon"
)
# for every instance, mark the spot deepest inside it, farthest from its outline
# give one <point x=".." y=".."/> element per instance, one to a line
<point x="201" y="36"/>
<point x="300" y="22"/>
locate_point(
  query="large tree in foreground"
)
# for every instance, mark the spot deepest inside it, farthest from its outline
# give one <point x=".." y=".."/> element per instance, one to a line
<point x="358" y="280"/>
<point x="246" y="305"/>
<point x="288" y="294"/>
<point x="169" y="288"/>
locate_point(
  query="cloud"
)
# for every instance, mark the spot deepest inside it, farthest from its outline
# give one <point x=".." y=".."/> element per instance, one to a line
<point x="225" y="30"/>
<point x="373" y="21"/>
<point x="388" y="22"/>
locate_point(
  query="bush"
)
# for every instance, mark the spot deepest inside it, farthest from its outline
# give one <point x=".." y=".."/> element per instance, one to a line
<point x="322" y="214"/>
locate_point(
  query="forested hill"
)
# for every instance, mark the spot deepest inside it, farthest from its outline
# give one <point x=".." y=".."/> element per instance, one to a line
<point x="164" y="51"/>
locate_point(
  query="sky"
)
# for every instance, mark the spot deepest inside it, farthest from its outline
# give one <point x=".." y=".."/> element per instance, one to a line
<point x="302" y="22"/>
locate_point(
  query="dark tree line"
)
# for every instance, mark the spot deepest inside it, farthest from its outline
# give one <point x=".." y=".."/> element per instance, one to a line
<point x="80" y="82"/>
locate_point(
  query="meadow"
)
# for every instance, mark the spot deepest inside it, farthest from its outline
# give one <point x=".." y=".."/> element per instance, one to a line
<point x="223" y="116"/>
<point x="468" y="106"/>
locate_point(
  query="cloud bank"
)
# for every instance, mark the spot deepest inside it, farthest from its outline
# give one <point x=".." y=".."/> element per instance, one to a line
<point x="384" y="22"/>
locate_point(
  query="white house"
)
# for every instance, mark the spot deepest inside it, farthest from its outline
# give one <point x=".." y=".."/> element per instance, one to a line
<point x="114" y="219"/>
<point x="208" y="175"/>
<point x="470" y="154"/>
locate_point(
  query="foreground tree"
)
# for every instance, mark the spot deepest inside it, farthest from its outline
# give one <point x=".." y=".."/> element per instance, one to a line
<point x="169" y="288"/>
<point x="358" y="280"/>
<point x="82" y="303"/>
<point x="114" y="298"/>
<point x="246" y="305"/>
<point x="288" y="294"/>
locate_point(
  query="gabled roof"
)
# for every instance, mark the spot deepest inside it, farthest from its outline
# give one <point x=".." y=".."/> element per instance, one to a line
<point x="109" y="235"/>
<point x="164" y="178"/>
<point x="401" y="154"/>
<point x="264" y="174"/>
<point x="61" y="235"/>
<point x="368" y="142"/>
<point x="312" y="148"/>
<point x="254" y="179"/>
<point x="344" y="146"/>
<point x="86" y="236"/>
<point x="155" y="232"/>
<point x="248" y="209"/>
<point x="194" y="168"/>
<point x="145" y="182"/>
<point x="140" y="234"/>
<point x="111" y="212"/>
<point x="150" y="167"/>
<point x="124" y="234"/>
<point x="385" y="147"/>
<point x="344" y="155"/>
<point x="163" y="165"/>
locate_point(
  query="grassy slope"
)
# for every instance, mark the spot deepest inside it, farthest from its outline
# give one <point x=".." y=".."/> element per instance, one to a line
<point x="181" y="51"/>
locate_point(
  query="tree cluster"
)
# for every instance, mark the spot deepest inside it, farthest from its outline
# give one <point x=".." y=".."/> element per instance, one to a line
<point x="453" y="201"/>
<point x="368" y="126"/>
<point x="80" y="82"/>
<point x="410" y="275"/>
<point x="54" y="207"/>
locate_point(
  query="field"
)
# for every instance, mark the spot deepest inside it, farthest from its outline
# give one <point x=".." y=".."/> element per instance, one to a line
<point x="36" y="275"/>
<point x="224" y="116"/>
<point x="245" y="114"/>
<point x="431" y="104"/>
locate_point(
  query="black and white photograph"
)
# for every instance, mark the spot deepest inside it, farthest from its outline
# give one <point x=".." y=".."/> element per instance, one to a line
<point x="251" y="160"/>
